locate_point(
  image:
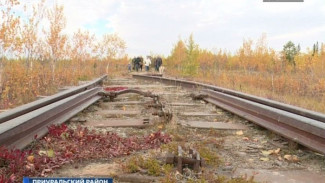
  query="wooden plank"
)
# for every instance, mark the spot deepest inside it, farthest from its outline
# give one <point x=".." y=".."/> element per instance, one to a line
<point x="215" y="125"/>
<point x="124" y="103"/>
<point x="118" y="112"/>
<point x="198" y="114"/>
<point x="183" y="104"/>
<point x="141" y="86"/>
<point x="117" y="123"/>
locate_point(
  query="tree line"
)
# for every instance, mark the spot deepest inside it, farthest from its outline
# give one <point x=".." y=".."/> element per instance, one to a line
<point x="289" y="75"/>
<point x="37" y="56"/>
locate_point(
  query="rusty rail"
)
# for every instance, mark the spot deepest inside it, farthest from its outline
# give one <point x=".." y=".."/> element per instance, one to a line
<point x="18" y="111"/>
<point x="191" y="84"/>
<point x="20" y="125"/>
<point x="300" y="125"/>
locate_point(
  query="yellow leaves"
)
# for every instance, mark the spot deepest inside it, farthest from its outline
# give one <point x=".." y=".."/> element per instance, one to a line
<point x="240" y="132"/>
<point x="83" y="43"/>
<point x="291" y="158"/>
<point x="49" y="153"/>
<point x="179" y="53"/>
<point x="42" y="152"/>
<point x="40" y="69"/>
<point x="276" y="151"/>
<point x="264" y="159"/>
<point x="111" y="47"/>
<point x="56" y="40"/>
<point x="9" y="27"/>
<point x="30" y="159"/>
<point x="272" y="151"/>
<point x="266" y="153"/>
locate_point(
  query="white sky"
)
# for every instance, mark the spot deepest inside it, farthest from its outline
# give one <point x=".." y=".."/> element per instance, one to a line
<point x="154" y="26"/>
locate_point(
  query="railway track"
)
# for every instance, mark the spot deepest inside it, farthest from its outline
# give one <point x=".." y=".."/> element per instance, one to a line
<point x="143" y="105"/>
<point x="302" y="126"/>
<point x="19" y="126"/>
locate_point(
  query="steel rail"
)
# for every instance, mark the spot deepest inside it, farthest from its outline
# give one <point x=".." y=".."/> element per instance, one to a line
<point x="303" y="130"/>
<point x="18" y="111"/>
<point x="191" y="84"/>
<point x="292" y="124"/>
<point x="20" y="131"/>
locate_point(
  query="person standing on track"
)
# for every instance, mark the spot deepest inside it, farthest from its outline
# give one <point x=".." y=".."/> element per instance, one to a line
<point x="158" y="63"/>
<point x="147" y="63"/>
<point x="133" y="63"/>
<point x="141" y="62"/>
<point x="137" y="63"/>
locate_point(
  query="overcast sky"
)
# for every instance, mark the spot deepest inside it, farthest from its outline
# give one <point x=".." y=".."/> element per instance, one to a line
<point x="154" y="26"/>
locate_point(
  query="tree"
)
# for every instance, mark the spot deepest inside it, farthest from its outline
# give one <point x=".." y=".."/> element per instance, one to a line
<point x="55" y="39"/>
<point x="82" y="47"/>
<point x="322" y="49"/>
<point x="246" y="54"/>
<point x="178" y="54"/>
<point x="9" y="27"/>
<point x="315" y="49"/>
<point x="192" y="53"/>
<point x="83" y="43"/>
<point x="30" y="32"/>
<point x="109" y="48"/>
<point x="290" y="51"/>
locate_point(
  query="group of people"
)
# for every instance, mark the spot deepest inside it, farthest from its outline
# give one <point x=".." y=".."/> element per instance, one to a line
<point x="137" y="63"/>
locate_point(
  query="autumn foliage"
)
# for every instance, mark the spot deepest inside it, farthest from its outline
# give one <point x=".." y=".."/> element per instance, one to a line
<point x="64" y="145"/>
<point x="257" y="69"/>
<point x="37" y="57"/>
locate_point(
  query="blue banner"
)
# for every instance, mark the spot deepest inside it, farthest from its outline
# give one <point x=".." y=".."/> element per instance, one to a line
<point x="67" y="180"/>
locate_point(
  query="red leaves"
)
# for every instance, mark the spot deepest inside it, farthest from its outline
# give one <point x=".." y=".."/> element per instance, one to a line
<point x="69" y="145"/>
<point x="11" y="162"/>
<point x="110" y="89"/>
<point x="156" y="139"/>
<point x="56" y="131"/>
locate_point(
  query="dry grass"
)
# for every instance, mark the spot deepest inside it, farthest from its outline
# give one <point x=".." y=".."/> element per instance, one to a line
<point x="297" y="89"/>
<point x="20" y="85"/>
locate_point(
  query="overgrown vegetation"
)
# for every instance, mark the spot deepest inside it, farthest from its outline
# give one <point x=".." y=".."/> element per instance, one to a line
<point x="37" y="56"/>
<point x="64" y="145"/>
<point x="138" y="163"/>
<point x="290" y="76"/>
<point x="209" y="156"/>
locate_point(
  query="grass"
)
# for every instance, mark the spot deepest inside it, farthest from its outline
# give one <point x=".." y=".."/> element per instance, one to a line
<point x="153" y="167"/>
<point x="170" y="147"/>
<point x="136" y="163"/>
<point x="209" y="156"/>
<point x="298" y="89"/>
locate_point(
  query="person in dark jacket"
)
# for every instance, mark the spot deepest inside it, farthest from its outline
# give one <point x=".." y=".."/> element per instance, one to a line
<point x="133" y="63"/>
<point x="141" y="63"/>
<point x="158" y="63"/>
<point x="137" y="63"/>
<point x="154" y="63"/>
